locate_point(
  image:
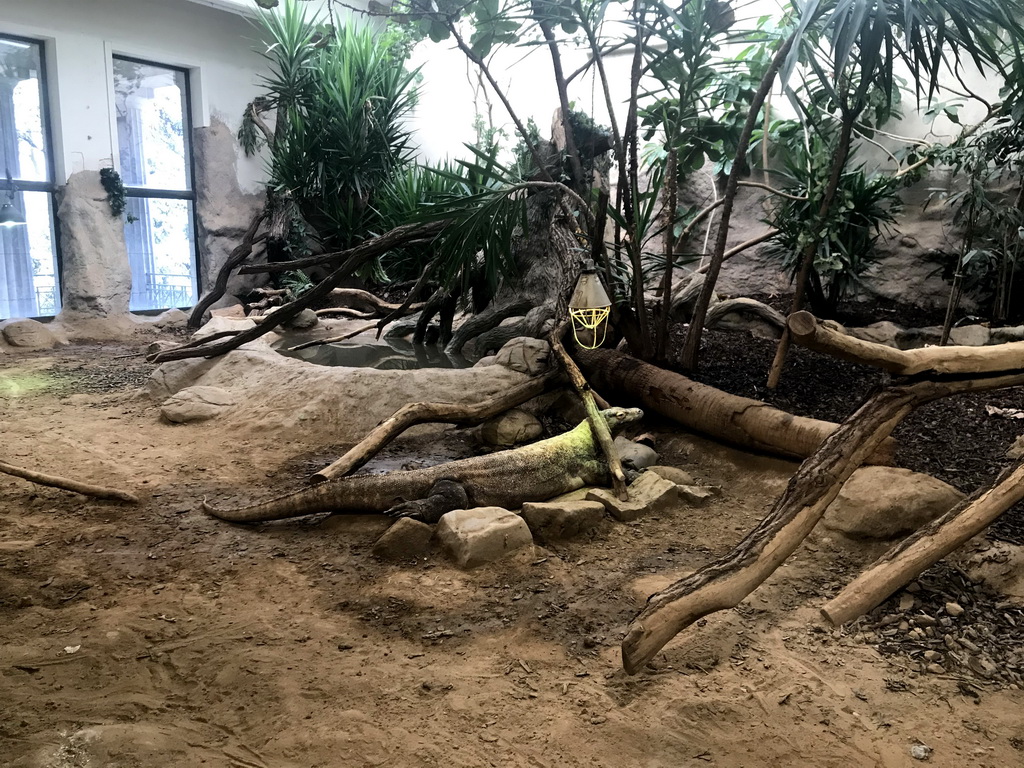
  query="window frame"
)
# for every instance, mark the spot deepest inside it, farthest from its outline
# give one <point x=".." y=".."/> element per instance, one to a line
<point x="190" y="168"/>
<point x="49" y="186"/>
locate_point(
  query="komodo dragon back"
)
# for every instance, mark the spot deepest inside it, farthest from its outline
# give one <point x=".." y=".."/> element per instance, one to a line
<point x="534" y="472"/>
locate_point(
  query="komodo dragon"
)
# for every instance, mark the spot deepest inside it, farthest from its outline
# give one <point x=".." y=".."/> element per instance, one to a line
<point x="535" y="472"/>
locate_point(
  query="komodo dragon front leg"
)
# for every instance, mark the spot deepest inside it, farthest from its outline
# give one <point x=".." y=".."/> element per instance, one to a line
<point x="445" y="496"/>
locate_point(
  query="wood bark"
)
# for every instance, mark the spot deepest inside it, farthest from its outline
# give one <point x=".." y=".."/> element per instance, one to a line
<point x="740" y="421"/>
<point x="425" y="413"/>
<point x="810" y="332"/>
<point x="86" y="489"/>
<point x="725" y="582"/>
<point x="598" y="425"/>
<point x="924" y="548"/>
<point x="235" y="260"/>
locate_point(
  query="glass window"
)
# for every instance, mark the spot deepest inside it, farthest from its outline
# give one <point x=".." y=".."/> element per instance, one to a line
<point x="28" y="253"/>
<point x="153" y="131"/>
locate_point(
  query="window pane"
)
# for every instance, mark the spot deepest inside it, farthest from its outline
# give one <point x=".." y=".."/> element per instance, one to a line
<point x="22" y="140"/>
<point x="161" y="252"/>
<point x="28" y="268"/>
<point x="151" y="111"/>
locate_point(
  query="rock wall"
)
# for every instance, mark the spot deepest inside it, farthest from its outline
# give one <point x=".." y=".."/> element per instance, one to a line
<point x="223" y="210"/>
<point x="909" y="268"/>
<point x="96" y="279"/>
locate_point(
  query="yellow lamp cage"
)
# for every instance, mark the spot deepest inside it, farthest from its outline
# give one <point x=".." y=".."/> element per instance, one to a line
<point x="589" y="308"/>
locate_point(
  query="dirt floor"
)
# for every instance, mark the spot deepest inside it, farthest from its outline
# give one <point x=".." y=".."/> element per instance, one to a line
<point x="153" y="635"/>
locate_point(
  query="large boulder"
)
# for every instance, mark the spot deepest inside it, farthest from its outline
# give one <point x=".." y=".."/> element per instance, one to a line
<point x="526" y="355"/>
<point x="474" y="537"/>
<point x="557" y="520"/>
<point x="196" y="404"/>
<point x="969" y="336"/>
<point x="885" y="503"/>
<point x="96" y="276"/>
<point x="511" y="428"/>
<point x="30" y="334"/>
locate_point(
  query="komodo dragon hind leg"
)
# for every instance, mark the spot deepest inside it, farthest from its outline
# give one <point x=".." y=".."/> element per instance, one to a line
<point x="445" y="496"/>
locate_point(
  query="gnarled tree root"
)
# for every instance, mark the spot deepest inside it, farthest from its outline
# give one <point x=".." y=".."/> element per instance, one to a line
<point x="86" y="489"/>
<point x="423" y="413"/>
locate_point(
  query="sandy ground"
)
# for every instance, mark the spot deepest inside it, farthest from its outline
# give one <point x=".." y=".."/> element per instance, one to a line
<point x="156" y="636"/>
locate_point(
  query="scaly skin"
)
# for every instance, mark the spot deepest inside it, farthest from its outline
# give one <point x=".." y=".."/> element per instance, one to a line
<point x="508" y="479"/>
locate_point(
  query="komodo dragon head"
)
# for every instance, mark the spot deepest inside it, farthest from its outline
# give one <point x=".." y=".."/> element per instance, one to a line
<point x="617" y="418"/>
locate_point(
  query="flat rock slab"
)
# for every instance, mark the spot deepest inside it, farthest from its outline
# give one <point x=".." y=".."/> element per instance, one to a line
<point x="648" y="494"/>
<point x="196" y="404"/>
<point x="885" y="503"/>
<point x="555" y="521"/>
<point x="475" y="537"/>
<point x="407" y="539"/>
<point x="30" y="334"/>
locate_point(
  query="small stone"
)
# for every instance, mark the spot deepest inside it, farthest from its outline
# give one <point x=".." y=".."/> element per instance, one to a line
<point x="906" y="603"/>
<point x="904" y="626"/>
<point x="674" y="474"/>
<point x="598" y="719"/>
<point x="936" y="669"/>
<point x="555" y="521"/>
<point x="197" y="403"/>
<point x="305" y="319"/>
<point x="473" y="537"/>
<point x="933" y="656"/>
<point x="921" y="752"/>
<point x="924" y="620"/>
<point x="954" y="609"/>
<point x="635" y="455"/>
<point x="407" y="539"/>
<point x="695" y="495"/>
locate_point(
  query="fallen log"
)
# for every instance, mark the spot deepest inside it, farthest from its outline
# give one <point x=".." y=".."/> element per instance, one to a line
<point x="919" y="551"/>
<point x="86" y="489"/>
<point x="424" y="413"/>
<point x="808" y="331"/>
<point x="725" y="582"/>
<point x="740" y="421"/>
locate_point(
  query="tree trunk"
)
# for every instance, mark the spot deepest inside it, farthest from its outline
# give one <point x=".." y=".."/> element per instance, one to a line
<point x="740" y="421"/>
<point x="691" y="347"/>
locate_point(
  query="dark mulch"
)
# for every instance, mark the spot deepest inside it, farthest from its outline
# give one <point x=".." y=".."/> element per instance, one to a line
<point x="953" y="439"/>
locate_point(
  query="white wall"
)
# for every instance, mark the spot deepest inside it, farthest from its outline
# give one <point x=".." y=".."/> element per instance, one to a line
<point x="82" y="35"/>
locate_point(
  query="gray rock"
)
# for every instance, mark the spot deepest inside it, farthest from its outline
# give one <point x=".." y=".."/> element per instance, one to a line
<point x="635" y="455"/>
<point x="674" y="474"/>
<point x="172" y="318"/>
<point x="220" y="324"/>
<point x="554" y="521"/>
<point x="196" y="404"/>
<point x="1006" y="335"/>
<point x="474" y="537"/>
<point x="97" y="278"/>
<point x="648" y="494"/>
<point x="407" y="539"/>
<point x="915" y="338"/>
<point x="885" y="503"/>
<point x="969" y="336"/>
<point x="1016" y="450"/>
<point x="695" y="495"/>
<point x="525" y="355"/>
<point x="511" y="428"/>
<point x="233" y="311"/>
<point x="883" y="332"/>
<point x="305" y="319"/>
<point x="30" y="334"/>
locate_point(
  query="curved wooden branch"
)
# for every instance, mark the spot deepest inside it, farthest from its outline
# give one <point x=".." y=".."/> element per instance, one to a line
<point x="927" y="546"/>
<point x="725" y="582"/>
<point x="424" y="413"/>
<point x="237" y="257"/>
<point x="810" y="332"/>
<point x="86" y="489"/>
